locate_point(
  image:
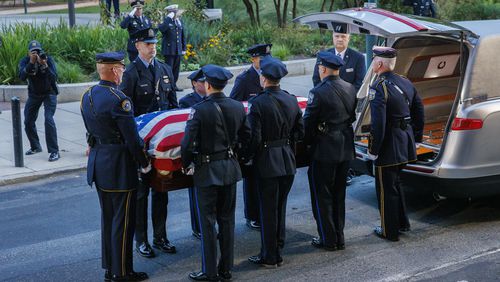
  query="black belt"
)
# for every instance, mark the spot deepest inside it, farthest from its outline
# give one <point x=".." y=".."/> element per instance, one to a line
<point x="325" y="127"/>
<point x="400" y="123"/>
<point x="106" y="141"/>
<point x="276" y="143"/>
<point x="223" y="155"/>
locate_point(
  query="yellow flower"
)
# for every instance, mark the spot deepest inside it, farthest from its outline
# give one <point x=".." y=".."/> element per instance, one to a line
<point x="185" y="57"/>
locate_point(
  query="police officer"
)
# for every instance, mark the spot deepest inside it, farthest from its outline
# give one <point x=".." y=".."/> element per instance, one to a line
<point x="276" y="122"/>
<point x="134" y="22"/>
<point x="173" y="44"/>
<point x="214" y="129"/>
<point x="198" y="94"/>
<point x="354" y="68"/>
<point x="328" y="120"/>
<point x="115" y="150"/>
<point x="424" y="8"/>
<point x="148" y="83"/>
<point x="397" y="121"/>
<point x="247" y="85"/>
<point x="40" y="71"/>
<point x="116" y="4"/>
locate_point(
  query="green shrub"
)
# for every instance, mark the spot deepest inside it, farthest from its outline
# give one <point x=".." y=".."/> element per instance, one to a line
<point x="281" y="52"/>
<point x="70" y="72"/>
<point x="462" y="10"/>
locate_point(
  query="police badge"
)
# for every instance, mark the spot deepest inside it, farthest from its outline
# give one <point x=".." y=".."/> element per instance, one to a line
<point x="166" y="79"/>
<point x="371" y="94"/>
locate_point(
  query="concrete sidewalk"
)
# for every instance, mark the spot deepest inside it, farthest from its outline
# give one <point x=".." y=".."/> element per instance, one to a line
<point x="36" y="9"/>
<point x="71" y="138"/>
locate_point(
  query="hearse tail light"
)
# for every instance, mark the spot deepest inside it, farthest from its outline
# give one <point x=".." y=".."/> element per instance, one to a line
<point x="466" y="124"/>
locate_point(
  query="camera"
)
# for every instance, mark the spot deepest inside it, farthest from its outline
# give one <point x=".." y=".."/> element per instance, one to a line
<point x="41" y="54"/>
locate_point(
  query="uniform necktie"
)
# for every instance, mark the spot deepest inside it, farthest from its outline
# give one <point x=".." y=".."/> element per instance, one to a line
<point x="152" y="70"/>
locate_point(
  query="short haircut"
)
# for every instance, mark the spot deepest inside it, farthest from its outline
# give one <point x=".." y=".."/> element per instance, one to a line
<point x="390" y="63"/>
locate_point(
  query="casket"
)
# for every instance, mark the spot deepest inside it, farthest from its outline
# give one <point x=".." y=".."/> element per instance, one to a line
<point x="163" y="131"/>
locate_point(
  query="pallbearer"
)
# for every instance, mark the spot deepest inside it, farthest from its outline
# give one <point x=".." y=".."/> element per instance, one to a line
<point x="116" y="152"/>
<point x="328" y="120"/>
<point x="276" y="122"/>
<point x="397" y="116"/>
<point x="215" y="131"/>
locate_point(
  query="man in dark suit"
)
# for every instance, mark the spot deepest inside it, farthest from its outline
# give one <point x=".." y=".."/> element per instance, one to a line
<point x="198" y="94"/>
<point x="148" y="83"/>
<point x="173" y="44"/>
<point x="246" y="86"/>
<point x="397" y="122"/>
<point x="214" y="130"/>
<point x="423" y="8"/>
<point x="276" y="122"/>
<point x="115" y="151"/>
<point x="134" y="22"/>
<point x="328" y="122"/>
<point x="354" y="68"/>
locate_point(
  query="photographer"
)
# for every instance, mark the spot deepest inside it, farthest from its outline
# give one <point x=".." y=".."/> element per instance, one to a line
<point x="39" y="70"/>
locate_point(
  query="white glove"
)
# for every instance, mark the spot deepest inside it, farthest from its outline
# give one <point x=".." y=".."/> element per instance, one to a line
<point x="183" y="52"/>
<point x="189" y="170"/>
<point x="171" y="15"/>
<point x="372" y="157"/>
<point x="417" y="145"/>
<point x="145" y="170"/>
<point x="132" y="13"/>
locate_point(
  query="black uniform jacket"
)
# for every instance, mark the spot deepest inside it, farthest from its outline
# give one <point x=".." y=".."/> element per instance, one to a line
<point x="269" y="124"/>
<point x="353" y="70"/>
<point x="393" y="98"/>
<point x="173" y="41"/>
<point x="246" y="85"/>
<point x="134" y="24"/>
<point x="40" y="81"/>
<point x="138" y="84"/>
<point x="331" y="108"/>
<point x="109" y="117"/>
<point x="204" y="135"/>
<point x="190" y="100"/>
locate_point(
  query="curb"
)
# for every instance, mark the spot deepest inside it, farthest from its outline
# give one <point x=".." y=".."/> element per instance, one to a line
<point x="73" y="92"/>
<point x="32" y="176"/>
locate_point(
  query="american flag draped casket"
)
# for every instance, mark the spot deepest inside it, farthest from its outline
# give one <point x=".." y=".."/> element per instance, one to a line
<point x="162" y="132"/>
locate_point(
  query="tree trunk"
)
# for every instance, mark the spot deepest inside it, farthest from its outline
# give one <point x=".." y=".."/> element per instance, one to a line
<point x="323" y="5"/>
<point x="331" y="5"/>
<point x="285" y="13"/>
<point x="277" y="7"/>
<point x="294" y="9"/>
<point x="249" y="10"/>
<point x="257" y="12"/>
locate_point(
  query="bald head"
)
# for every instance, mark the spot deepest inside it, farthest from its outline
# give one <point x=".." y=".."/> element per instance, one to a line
<point x="110" y="72"/>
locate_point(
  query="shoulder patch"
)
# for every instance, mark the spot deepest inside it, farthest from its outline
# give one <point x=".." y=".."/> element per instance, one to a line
<point x="310" y="98"/>
<point x="191" y="114"/>
<point x="126" y="105"/>
<point x="371" y="94"/>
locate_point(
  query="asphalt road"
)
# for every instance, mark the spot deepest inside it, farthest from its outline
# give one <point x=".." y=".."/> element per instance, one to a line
<point x="50" y="231"/>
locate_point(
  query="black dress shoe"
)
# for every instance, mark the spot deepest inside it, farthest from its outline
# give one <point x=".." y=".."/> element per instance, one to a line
<point x="54" y="157"/>
<point x="107" y="276"/>
<point x="177" y="89"/>
<point x="164" y="246"/>
<point x="225" y="275"/>
<point x="200" y="276"/>
<point x="252" y="224"/>
<point x="404" y="229"/>
<point x="132" y="276"/>
<point x="280" y="261"/>
<point x="380" y="233"/>
<point x="33" y="151"/>
<point x="316" y="242"/>
<point x="196" y="235"/>
<point x="145" y="250"/>
<point x="260" y="261"/>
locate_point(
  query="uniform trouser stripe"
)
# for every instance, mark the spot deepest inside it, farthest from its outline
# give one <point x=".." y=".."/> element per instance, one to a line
<point x="125" y="230"/>
<point x="382" y="204"/>
<point x="315" y="191"/>
<point x="203" y="265"/>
